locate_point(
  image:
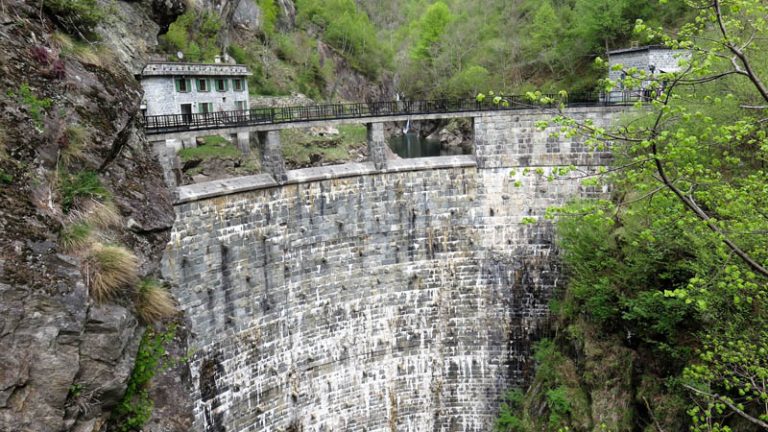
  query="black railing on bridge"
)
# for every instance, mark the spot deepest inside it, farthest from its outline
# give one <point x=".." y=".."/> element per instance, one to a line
<point x="264" y="116"/>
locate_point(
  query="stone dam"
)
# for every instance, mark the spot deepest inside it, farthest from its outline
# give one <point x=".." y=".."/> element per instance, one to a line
<point x="366" y="298"/>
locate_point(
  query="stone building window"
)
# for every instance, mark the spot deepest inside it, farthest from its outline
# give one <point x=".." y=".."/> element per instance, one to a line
<point x="182" y="85"/>
<point x="221" y="85"/>
<point x="237" y="84"/>
<point x="202" y="85"/>
<point x="205" y="107"/>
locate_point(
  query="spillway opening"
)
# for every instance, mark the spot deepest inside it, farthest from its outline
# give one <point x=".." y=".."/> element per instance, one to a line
<point x="428" y="138"/>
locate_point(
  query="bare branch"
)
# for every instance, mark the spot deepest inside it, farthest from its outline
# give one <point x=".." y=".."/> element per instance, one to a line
<point x="653" y="416"/>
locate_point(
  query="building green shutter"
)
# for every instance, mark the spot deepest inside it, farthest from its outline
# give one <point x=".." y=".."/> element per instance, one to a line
<point x="178" y="85"/>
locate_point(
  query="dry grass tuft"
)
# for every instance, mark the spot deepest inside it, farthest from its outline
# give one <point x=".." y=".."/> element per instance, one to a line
<point x="110" y="271"/>
<point x="101" y="215"/>
<point x="83" y="52"/>
<point x="76" y="137"/>
<point x="76" y="237"/>
<point x="154" y="302"/>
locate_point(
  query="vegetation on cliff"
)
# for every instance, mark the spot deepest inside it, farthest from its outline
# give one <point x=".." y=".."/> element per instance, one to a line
<point x="445" y="48"/>
<point x="663" y="324"/>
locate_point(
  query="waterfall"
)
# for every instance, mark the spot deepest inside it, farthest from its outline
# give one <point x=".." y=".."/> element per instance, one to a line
<point x="407" y="126"/>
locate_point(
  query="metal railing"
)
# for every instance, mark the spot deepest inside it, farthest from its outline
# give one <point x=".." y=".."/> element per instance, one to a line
<point x="265" y="116"/>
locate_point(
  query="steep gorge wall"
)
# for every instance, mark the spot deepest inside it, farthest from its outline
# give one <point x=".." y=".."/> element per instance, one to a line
<point x="354" y="299"/>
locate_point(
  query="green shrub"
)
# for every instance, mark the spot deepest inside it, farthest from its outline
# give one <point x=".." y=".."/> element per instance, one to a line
<point x="5" y="178"/>
<point x="238" y="53"/>
<point x="509" y="419"/>
<point x="558" y="402"/>
<point x="195" y="34"/>
<point x="468" y="82"/>
<point x="34" y="105"/>
<point x="350" y="31"/>
<point x="135" y="408"/>
<point x="77" y="17"/>
<point x="85" y="184"/>
<point x="269" y="16"/>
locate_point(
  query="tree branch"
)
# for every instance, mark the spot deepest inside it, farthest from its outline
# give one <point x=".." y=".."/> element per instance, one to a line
<point x="730" y="405"/>
<point x="739" y="53"/>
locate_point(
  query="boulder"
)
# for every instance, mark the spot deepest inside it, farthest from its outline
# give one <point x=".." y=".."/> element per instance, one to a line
<point x="323" y="131"/>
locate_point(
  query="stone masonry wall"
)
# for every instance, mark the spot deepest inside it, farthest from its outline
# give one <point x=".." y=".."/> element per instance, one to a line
<point x="352" y="298"/>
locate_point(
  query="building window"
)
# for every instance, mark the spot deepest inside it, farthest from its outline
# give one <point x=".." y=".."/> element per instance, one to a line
<point x="205" y="107"/>
<point x="237" y="84"/>
<point x="240" y="105"/>
<point x="221" y="85"/>
<point x="182" y="85"/>
<point x="202" y="85"/>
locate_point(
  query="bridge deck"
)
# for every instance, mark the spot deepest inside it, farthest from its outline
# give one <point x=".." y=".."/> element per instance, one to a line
<point x="166" y="126"/>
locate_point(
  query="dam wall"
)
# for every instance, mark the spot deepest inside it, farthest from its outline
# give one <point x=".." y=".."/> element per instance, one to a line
<point x="356" y="298"/>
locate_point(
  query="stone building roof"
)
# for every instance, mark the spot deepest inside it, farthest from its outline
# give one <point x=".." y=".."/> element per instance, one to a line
<point x="194" y="69"/>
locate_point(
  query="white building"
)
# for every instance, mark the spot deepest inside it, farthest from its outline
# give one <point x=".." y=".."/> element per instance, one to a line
<point x="189" y="88"/>
<point x="653" y="59"/>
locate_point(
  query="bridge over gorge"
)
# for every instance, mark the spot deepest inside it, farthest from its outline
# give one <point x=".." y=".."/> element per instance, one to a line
<point x="174" y="131"/>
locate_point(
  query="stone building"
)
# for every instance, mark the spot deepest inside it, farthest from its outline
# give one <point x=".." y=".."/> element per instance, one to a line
<point x="654" y="59"/>
<point x="190" y="88"/>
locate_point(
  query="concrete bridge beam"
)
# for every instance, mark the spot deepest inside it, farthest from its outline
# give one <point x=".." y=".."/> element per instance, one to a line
<point x="165" y="152"/>
<point x="243" y="142"/>
<point x="377" y="145"/>
<point x="189" y="142"/>
<point x="272" y="161"/>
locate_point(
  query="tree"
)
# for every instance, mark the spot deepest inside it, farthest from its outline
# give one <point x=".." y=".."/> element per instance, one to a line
<point x="430" y="29"/>
<point x="687" y="229"/>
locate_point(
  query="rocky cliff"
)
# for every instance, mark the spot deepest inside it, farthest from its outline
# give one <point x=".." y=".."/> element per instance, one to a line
<point x="71" y="153"/>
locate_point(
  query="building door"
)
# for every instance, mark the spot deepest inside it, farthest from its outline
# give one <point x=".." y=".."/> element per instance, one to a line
<point x="186" y="113"/>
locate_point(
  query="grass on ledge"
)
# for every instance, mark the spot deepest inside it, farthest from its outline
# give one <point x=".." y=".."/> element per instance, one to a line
<point x="214" y="147"/>
<point x="300" y="145"/>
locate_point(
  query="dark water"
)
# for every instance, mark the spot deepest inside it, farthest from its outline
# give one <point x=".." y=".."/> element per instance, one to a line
<point x="410" y="145"/>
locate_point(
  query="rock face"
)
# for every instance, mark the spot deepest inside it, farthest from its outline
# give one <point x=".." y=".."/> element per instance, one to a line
<point x="65" y="360"/>
<point x="247" y="16"/>
<point x="353" y="298"/>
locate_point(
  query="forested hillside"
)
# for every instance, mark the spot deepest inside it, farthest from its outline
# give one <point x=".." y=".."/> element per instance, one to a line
<point x="419" y="48"/>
